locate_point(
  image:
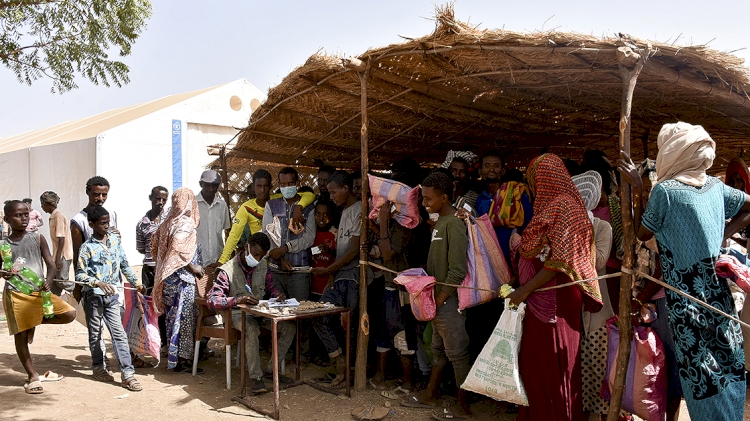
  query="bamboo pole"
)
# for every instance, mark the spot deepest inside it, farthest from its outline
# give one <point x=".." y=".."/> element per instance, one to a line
<point x="360" y="370"/>
<point x="631" y="64"/>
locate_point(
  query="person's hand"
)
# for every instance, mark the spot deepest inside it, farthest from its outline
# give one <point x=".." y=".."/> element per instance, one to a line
<point x="277" y="253"/>
<point x="106" y="288"/>
<point x="297" y="216"/>
<point x="441" y="297"/>
<point x="214" y="265"/>
<point x="385" y="214"/>
<point x="250" y="300"/>
<point x="286" y="265"/>
<point x="629" y="172"/>
<point x="196" y="270"/>
<point x="115" y="231"/>
<point x="281" y="297"/>
<point x="463" y="214"/>
<point x="323" y="247"/>
<point x="518" y="296"/>
<point x="6" y="274"/>
<point x="47" y="284"/>
<point x="140" y="288"/>
<point x="58" y="263"/>
<point x="77" y="292"/>
<point x="319" y="271"/>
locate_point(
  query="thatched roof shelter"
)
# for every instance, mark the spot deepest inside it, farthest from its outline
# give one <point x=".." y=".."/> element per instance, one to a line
<point x="467" y="88"/>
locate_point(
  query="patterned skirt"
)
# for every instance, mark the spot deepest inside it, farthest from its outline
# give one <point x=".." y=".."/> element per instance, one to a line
<point x="181" y="314"/>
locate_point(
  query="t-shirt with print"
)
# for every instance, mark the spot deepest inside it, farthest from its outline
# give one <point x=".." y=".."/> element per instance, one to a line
<point x="322" y="259"/>
<point x="349" y="226"/>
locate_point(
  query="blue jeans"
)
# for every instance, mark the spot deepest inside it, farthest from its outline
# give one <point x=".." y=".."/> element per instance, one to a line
<point x="106" y="310"/>
<point x="343" y="293"/>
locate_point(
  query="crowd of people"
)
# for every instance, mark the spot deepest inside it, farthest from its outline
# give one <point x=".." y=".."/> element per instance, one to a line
<point x="559" y="223"/>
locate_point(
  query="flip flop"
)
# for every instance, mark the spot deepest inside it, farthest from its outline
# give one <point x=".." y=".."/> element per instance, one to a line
<point x="395" y="394"/>
<point x="370" y="413"/>
<point x="448" y="414"/>
<point x="33" y="388"/>
<point x="51" y="376"/>
<point x="413" y="402"/>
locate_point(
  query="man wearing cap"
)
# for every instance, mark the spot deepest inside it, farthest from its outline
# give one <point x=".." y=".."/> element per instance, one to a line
<point x="214" y="218"/>
<point x="62" y="244"/>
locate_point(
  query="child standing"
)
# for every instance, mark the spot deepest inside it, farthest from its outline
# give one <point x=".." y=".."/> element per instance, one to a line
<point x="62" y="244"/>
<point x="100" y="261"/>
<point x="446" y="261"/>
<point x="24" y="312"/>
<point x="324" y="247"/>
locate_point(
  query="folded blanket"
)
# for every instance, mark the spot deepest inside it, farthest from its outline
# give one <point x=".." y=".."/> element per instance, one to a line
<point x="403" y="197"/>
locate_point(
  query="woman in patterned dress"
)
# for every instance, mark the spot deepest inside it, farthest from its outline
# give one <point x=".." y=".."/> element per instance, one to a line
<point x="177" y="253"/>
<point x="686" y="213"/>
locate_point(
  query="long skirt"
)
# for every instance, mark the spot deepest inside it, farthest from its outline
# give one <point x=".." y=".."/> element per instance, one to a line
<point x="549" y="362"/>
<point x="181" y="315"/>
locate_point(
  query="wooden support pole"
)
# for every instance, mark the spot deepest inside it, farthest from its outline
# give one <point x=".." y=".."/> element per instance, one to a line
<point x="225" y="176"/>
<point x="631" y="64"/>
<point x="363" y="336"/>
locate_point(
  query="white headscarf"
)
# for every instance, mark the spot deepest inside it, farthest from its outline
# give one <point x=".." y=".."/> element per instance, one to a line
<point x="589" y="184"/>
<point x="685" y="153"/>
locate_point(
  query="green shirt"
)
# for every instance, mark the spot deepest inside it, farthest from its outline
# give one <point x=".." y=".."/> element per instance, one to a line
<point x="447" y="258"/>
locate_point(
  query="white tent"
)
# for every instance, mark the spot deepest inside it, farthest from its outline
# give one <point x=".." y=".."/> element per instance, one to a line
<point x="161" y="142"/>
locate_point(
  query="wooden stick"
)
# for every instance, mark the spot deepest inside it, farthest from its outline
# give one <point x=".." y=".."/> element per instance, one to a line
<point x="629" y="78"/>
<point x="360" y="368"/>
<point x="225" y="190"/>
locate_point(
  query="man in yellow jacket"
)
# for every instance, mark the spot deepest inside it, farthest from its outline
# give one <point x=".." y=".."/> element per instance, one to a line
<point x="250" y="213"/>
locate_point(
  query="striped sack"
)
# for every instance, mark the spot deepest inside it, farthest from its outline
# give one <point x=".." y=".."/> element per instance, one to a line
<point x="403" y="197"/>
<point x="487" y="268"/>
<point x="421" y="290"/>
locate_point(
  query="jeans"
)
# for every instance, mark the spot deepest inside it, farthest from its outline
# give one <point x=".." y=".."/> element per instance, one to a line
<point x="343" y="293"/>
<point x="106" y="310"/>
<point x="450" y="342"/>
<point x="252" y="347"/>
<point x="293" y="285"/>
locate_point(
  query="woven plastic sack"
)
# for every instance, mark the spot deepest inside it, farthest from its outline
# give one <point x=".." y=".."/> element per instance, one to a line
<point x="487" y="269"/>
<point x="141" y="323"/>
<point x="403" y="197"/>
<point x="645" y="392"/>
<point x="495" y="372"/>
<point x="421" y="288"/>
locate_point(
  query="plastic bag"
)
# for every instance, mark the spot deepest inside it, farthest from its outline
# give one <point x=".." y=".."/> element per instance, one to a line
<point x="421" y="290"/>
<point x="487" y="269"/>
<point x="645" y="392"/>
<point x="495" y="372"/>
<point x="141" y="323"/>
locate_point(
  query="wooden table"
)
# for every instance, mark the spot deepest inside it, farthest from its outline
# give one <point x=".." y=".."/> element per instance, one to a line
<point x="275" y="319"/>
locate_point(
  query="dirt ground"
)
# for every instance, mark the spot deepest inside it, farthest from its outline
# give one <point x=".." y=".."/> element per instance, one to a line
<point x="168" y="395"/>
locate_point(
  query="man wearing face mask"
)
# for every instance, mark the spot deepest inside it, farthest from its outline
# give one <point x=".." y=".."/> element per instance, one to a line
<point x="291" y="252"/>
<point x="244" y="280"/>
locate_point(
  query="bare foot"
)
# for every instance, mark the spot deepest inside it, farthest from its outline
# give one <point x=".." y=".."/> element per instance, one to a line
<point x="338" y="380"/>
<point x="423" y="398"/>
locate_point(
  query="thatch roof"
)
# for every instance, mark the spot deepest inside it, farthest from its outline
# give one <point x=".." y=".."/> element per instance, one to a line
<point x="467" y="88"/>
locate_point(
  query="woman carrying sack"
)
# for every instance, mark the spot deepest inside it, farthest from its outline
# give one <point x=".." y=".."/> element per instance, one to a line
<point x="555" y="248"/>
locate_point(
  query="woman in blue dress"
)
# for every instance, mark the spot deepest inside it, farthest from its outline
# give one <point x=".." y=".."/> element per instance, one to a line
<point x="686" y="213"/>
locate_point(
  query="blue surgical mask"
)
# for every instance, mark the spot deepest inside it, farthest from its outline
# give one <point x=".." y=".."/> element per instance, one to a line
<point x="289" y="192"/>
<point x="250" y="260"/>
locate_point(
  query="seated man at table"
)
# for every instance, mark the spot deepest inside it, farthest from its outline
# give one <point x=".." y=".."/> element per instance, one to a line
<point x="244" y="280"/>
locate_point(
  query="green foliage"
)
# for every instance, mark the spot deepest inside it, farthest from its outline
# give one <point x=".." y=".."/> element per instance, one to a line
<point x="61" y="38"/>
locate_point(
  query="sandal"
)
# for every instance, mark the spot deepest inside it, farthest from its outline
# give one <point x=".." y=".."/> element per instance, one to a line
<point x="104" y="376"/>
<point x="370" y="413"/>
<point x="51" y="376"/>
<point x="395" y="394"/>
<point x="33" y="388"/>
<point x="132" y="384"/>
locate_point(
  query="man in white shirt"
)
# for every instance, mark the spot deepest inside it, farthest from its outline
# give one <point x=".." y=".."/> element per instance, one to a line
<point x="215" y="218"/>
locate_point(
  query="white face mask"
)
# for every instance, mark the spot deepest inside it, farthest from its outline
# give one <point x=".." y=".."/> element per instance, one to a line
<point x="289" y="192"/>
<point x="250" y="260"/>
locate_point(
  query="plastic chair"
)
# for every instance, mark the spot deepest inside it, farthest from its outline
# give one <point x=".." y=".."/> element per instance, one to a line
<point x="223" y="331"/>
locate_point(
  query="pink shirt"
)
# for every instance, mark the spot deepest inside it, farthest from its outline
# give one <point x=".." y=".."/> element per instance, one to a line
<point x="34" y="218"/>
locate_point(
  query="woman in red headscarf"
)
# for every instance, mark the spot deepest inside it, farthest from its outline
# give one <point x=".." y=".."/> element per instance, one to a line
<point x="556" y="248"/>
<point x="177" y="254"/>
